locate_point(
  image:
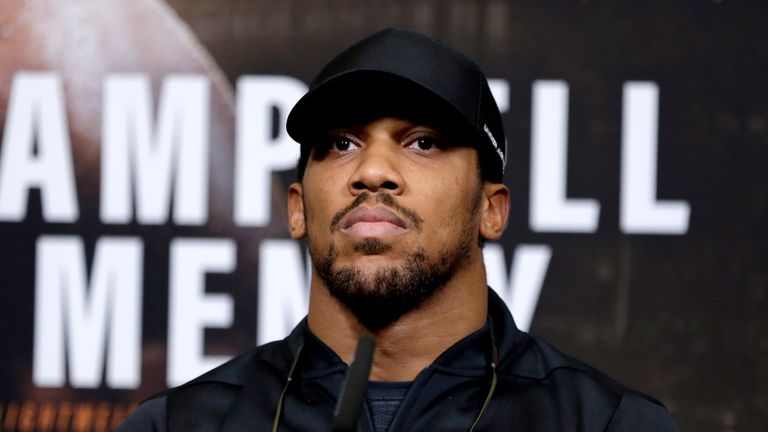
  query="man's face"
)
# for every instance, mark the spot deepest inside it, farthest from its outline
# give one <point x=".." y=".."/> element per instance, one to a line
<point x="391" y="210"/>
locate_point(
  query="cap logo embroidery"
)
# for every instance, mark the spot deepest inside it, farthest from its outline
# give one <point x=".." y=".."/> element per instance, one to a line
<point x="495" y="144"/>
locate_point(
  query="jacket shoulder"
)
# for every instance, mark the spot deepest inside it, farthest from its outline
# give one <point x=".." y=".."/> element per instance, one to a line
<point x="204" y="402"/>
<point x="638" y="414"/>
<point x="274" y="356"/>
<point x="542" y="361"/>
<point x="149" y="416"/>
<point x="585" y="393"/>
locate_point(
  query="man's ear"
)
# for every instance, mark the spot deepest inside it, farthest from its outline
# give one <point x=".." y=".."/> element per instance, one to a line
<point x="495" y="211"/>
<point x="296" y="223"/>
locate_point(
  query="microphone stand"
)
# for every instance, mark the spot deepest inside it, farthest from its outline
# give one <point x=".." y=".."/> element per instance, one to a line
<point x="355" y="384"/>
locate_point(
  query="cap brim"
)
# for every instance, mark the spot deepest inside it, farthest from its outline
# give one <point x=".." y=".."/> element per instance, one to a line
<point x="363" y="95"/>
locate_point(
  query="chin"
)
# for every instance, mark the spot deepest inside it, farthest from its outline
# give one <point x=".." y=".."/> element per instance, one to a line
<point x="369" y="265"/>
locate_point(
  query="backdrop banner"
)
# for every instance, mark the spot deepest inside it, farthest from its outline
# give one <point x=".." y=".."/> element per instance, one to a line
<point x="144" y="164"/>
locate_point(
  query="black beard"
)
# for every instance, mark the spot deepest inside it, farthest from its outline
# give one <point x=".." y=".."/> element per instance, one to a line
<point x="380" y="299"/>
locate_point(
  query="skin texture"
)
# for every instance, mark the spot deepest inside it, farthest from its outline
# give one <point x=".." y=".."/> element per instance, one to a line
<point x="441" y="186"/>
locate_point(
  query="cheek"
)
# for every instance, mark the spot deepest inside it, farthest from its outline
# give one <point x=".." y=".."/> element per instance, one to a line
<point x="315" y="207"/>
<point x="451" y="206"/>
<point x="322" y="200"/>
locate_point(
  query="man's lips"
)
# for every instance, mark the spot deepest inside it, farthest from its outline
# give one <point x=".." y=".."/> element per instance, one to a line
<point x="376" y="221"/>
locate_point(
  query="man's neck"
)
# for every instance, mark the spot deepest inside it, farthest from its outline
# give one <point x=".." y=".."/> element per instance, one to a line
<point x="415" y="340"/>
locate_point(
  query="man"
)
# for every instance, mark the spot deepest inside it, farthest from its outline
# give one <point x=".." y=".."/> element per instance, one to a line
<point x="400" y="184"/>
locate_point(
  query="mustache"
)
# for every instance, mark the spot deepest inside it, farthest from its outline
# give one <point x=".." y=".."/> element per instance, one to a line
<point x="380" y="197"/>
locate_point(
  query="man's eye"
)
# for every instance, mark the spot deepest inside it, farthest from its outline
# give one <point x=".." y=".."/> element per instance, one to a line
<point x="424" y="143"/>
<point x="340" y="144"/>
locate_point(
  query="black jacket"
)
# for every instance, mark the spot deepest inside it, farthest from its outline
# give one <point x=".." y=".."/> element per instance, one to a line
<point x="538" y="389"/>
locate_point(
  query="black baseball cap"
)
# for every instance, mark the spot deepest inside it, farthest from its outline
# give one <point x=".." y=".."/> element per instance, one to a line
<point x="408" y="75"/>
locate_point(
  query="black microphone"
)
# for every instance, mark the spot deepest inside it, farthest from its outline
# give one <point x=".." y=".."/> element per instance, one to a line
<point x="355" y="384"/>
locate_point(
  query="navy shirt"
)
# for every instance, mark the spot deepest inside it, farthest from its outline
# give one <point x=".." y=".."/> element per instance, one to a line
<point x="384" y="399"/>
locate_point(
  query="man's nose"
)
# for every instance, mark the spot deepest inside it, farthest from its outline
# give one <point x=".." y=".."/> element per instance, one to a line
<point x="377" y="169"/>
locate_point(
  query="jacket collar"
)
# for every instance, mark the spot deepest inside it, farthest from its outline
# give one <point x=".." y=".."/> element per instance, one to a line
<point x="498" y="340"/>
<point x="510" y="341"/>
